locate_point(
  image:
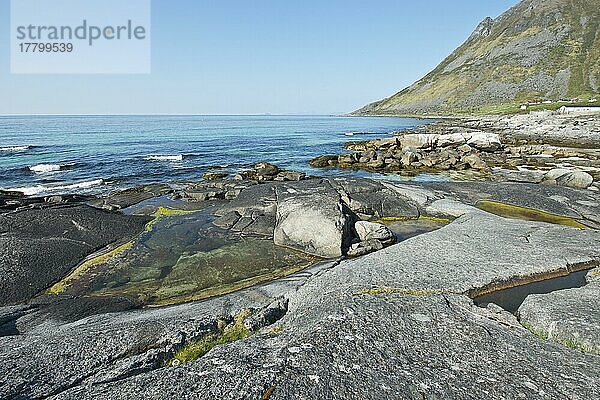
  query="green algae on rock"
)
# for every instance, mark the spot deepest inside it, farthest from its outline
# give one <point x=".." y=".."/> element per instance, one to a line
<point x="528" y="214"/>
<point x="237" y="330"/>
<point x="182" y="257"/>
<point x="61" y="287"/>
<point x="232" y="267"/>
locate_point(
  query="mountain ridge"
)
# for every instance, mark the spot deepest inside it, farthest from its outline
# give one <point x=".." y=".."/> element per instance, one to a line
<point x="535" y="50"/>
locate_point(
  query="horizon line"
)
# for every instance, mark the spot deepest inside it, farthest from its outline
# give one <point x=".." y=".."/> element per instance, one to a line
<point x="167" y="115"/>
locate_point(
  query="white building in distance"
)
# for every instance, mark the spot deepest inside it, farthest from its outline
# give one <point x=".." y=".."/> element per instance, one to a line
<point x="578" y="110"/>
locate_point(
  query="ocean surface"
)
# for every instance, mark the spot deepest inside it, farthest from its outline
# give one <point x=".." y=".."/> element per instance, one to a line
<point x="42" y="155"/>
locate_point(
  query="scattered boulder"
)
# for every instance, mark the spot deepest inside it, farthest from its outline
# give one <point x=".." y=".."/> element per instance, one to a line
<point x="290" y="176"/>
<point x="376" y="164"/>
<point x="347" y="158"/>
<point x="475" y="162"/>
<point x="453" y="139"/>
<point x="265" y="172"/>
<point x="384" y="143"/>
<point x="264" y="169"/>
<point x="485" y="141"/>
<point x="421" y="151"/>
<point x="314" y="222"/>
<point x="419" y="140"/>
<point x="364" y="247"/>
<point x="409" y="157"/>
<point x="246" y="175"/>
<point x="213" y="176"/>
<point x="368" y="231"/>
<point x="324" y="161"/>
<point x="570" y="178"/>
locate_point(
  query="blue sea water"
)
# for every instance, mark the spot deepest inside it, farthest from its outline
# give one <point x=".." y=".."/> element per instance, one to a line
<point x="61" y="154"/>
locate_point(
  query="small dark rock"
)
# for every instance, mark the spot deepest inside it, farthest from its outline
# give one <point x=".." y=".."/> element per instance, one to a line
<point x="323" y="161"/>
<point x="213" y="176"/>
<point x="290" y="176"/>
<point x="266" y="169"/>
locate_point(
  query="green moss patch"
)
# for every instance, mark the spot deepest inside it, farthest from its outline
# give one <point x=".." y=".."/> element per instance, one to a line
<point x="225" y="334"/>
<point x="527" y="214"/>
<point x="567" y="342"/>
<point x="164" y="212"/>
<point x="83" y="268"/>
<point x="401" y="291"/>
<point x="391" y="220"/>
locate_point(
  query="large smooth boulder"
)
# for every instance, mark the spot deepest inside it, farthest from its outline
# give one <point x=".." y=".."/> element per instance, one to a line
<point x="419" y="140"/>
<point x="323" y="161"/>
<point x="569" y="178"/>
<point x="453" y="139"/>
<point x="365" y="247"/>
<point x="485" y="141"/>
<point x="313" y="222"/>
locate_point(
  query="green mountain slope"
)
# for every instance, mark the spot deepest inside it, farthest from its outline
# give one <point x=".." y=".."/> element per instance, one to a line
<point x="539" y="49"/>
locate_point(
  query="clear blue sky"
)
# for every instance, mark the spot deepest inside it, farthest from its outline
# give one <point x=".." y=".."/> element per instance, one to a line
<point x="263" y="56"/>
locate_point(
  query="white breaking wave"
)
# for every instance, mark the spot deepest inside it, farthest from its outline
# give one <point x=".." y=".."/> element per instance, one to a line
<point x="15" y="148"/>
<point x="46" y="168"/>
<point x="178" y="157"/>
<point x="64" y="188"/>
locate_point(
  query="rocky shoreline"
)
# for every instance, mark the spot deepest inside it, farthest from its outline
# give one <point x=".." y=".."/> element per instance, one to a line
<point x="537" y="148"/>
<point x="276" y="285"/>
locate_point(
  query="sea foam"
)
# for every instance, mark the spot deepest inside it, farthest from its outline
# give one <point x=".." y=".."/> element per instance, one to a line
<point x="178" y="157"/>
<point x="61" y="188"/>
<point x="15" y="148"/>
<point x="46" y="168"/>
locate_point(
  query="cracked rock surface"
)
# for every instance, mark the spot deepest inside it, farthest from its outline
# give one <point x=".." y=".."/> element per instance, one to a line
<point x="397" y="323"/>
<point x="569" y="316"/>
<point x="39" y="246"/>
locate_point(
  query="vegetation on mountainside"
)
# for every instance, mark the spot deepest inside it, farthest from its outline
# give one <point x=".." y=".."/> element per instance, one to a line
<point x="537" y="50"/>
